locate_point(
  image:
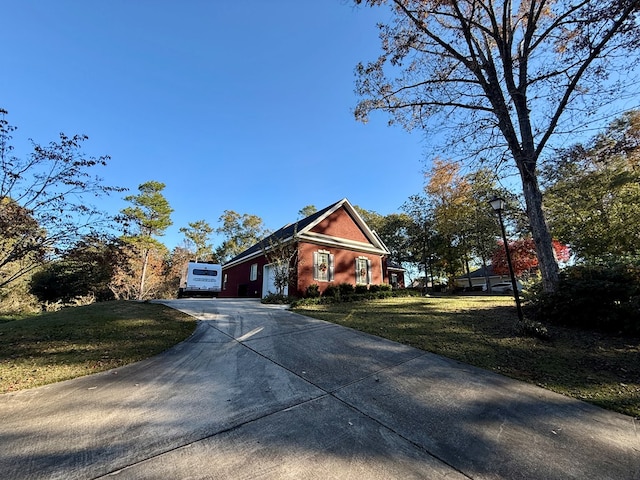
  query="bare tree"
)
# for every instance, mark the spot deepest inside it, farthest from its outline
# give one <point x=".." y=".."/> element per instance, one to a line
<point x="45" y="205"/>
<point x="282" y="255"/>
<point x="506" y="75"/>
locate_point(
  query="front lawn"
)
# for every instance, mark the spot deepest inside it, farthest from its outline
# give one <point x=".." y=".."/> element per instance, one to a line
<point x="77" y="341"/>
<point x="480" y="330"/>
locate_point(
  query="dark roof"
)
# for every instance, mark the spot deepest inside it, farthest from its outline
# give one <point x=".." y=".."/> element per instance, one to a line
<point x="395" y="266"/>
<point x="282" y="234"/>
<point x="480" y="273"/>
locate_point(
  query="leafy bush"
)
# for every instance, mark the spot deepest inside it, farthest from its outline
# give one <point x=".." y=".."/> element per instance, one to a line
<point x="276" y="299"/>
<point x="313" y="291"/>
<point x="603" y="297"/>
<point x="384" y="287"/>
<point x="65" y="281"/>
<point x="532" y="328"/>
<point x="335" y="297"/>
<point x="331" y="291"/>
<point x="346" y="289"/>
<point x="360" y="289"/>
<point x="18" y="300"/>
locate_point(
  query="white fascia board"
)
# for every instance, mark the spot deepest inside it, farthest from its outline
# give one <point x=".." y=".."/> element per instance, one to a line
<point x="328" y="240"/>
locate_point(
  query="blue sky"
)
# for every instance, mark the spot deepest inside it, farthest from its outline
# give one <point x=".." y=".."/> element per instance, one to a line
<point x="243" y="105"/>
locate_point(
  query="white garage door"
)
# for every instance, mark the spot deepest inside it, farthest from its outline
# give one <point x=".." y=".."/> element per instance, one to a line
<point x="269" y="283"/>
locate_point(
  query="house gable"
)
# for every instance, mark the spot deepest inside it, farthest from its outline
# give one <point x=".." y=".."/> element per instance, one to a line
<point x="340" y="224"/>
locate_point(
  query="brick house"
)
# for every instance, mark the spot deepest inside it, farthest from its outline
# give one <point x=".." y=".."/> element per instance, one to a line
<point x="332" y="246"/>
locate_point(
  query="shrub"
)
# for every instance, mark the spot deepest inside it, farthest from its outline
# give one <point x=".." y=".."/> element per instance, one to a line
<point x="333" y="296"/>
<point x="276" y="299"/>
<point x="603" y="297"/>
<point x="18" y="300"/>
<point x="384" y="287"/>
<point x="532" y="328"/>
<point x="313" y="291"/>
<point x="331" y="291"/>
<point x="360" y="289"/>
<point x="346" y="289"/>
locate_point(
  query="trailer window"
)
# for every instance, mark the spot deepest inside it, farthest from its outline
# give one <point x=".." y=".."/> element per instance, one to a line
<point x="205" y="273"/>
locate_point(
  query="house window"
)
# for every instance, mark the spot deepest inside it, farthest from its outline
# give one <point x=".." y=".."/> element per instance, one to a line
<point x="322" y="266"/>
<point x="394" y="280"/>
<point x="254" y="272"/>
<point x="363" y="271"/>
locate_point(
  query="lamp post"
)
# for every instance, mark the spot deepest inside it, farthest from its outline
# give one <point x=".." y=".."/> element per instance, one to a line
<point x="498" y="206"/>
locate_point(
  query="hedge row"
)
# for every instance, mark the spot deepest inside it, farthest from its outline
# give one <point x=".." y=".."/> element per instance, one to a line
<point x="346" y="292"/>
<point x="602" y="297"/>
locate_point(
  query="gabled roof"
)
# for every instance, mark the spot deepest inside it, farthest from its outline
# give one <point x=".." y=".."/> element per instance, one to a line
<point x="480" y="273"/>
<point x="302" y="230"/>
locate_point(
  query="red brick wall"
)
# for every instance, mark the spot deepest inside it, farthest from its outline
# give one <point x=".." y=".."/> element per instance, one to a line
<point x="340" y="224"/>
<point x="237" y="282"/>
<point x="344" y="267"/>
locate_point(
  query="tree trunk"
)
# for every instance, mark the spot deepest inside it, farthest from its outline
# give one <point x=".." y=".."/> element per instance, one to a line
<point x="540" y="232"/>
<point x="145" y="261"/>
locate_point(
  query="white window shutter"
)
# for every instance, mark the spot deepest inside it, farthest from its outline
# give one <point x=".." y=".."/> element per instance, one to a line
<point x="330" y="276"/>
<point x="368" y="272"/>
<point x="315" y="265"/>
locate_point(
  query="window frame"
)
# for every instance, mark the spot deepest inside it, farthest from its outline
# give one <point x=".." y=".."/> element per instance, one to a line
<point x="363" y="263"/>
<point x="327" y="273"/>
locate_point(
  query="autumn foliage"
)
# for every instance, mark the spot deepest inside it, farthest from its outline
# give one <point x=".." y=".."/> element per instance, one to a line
<point x="523" y="256"/>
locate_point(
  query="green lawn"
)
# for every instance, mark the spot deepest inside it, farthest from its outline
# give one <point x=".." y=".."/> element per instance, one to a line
<point x="77" y="341"/>
<point x="480" y="330"/>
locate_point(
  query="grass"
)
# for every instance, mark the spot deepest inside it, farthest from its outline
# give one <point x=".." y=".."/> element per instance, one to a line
<point x="481" y="331"/>
<point x="51" y="347"/>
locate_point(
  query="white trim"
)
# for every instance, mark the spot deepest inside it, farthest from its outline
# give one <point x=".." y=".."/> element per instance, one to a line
<point x="343" y="243"/>
<point x="375" y="244"/>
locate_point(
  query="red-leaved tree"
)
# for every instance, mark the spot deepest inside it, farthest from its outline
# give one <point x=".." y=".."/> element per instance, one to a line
<point x="523" y="256"/>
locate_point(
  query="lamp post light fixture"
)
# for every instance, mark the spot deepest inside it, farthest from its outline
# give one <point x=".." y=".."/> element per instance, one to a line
<point x="498" y="206"/>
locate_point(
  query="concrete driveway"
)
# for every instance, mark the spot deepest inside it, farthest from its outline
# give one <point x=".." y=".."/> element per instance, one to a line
<point x="260" y="392"/>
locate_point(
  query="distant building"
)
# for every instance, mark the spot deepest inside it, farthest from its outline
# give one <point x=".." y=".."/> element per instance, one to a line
<point x="479" y="279"/>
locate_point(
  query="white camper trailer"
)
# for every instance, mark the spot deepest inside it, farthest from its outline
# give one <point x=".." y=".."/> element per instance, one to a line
<point x="201" y="278"/>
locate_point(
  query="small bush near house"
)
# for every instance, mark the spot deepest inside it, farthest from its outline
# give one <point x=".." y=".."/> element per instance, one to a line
<point x="360" y="289"/>
<point x="331" y="291"/>
<point x="276" y="299"/>
<point x="313" y="291"/>
<point x="346" y="289"/>
<point x="602" y="297"/>
<point x="332" y="295"/>
<point x="380" y="288"/>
